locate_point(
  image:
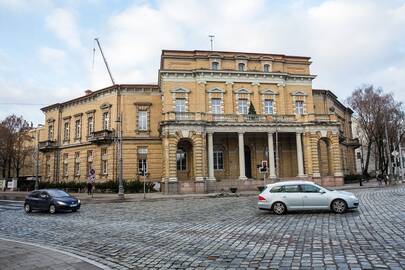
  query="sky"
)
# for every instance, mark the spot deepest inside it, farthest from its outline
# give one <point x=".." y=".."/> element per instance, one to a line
<point x="46" y="47"/>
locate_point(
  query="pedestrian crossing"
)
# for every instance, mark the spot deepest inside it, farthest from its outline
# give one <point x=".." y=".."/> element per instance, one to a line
<point x="10" y="205"/>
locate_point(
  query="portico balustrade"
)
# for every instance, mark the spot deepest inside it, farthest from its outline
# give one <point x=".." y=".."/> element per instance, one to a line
<point x="240" y="118"/>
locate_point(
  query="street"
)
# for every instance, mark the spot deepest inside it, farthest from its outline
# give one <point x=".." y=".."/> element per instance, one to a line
<point x="221" y="233"/>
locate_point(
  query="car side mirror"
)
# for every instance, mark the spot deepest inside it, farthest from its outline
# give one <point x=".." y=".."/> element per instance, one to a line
<point x="322" y="191"/>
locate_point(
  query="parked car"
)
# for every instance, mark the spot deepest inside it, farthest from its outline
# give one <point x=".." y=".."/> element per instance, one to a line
<point x="51" y="200"/>
<point x="304" y="195"/>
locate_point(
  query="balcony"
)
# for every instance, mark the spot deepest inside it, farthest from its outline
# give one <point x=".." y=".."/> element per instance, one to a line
<point x="47" y="145"/>
<point x="101" y="137"/>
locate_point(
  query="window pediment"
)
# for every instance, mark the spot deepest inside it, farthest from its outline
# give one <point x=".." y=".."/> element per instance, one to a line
<point x="298" y="93"/>
<point x="215" y="90"/>
<point x="242" y="91"/>
<point x="105" y="106"/>
<point x="180" y="90"/>
<point x="268" y="92"/>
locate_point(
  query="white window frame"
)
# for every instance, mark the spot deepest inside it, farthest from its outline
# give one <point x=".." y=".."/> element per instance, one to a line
<point x="217" y="165"/>
<point x="243" y="65"/>
<point x="215" y="65"/>
<point x="180" y="107"/>
<point x="180" y="166"/>
<point x="143" y="120"/>
<point x="245" y="108"/>
<point x="66" y="134"/>
<point x="269" y="106"/>
<point x="216" y="108"/>
<point x="90" y="125"/>
<point x="78" y="129"/>
<point x="299" y="107"/>
<point x="106" y="120"/>
<point x="77" y="164"/>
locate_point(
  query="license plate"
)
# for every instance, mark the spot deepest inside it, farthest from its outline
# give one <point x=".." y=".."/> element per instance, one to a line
<point x="73" y="205"/>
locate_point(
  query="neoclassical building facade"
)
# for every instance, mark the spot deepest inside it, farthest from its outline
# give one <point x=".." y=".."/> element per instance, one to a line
<point x="210" y="123"/>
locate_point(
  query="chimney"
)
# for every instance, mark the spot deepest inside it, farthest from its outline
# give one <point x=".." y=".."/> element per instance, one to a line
<point x="88" y="92"/>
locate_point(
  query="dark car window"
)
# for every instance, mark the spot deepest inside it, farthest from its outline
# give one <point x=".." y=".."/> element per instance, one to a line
<point x="277" y="189"/>
<point x="34" y="194"/>
<point x="291" y="188"/>
<point x="58" y="193"/>
<point x="310" y="189"/>
<point x="43" y="195"/>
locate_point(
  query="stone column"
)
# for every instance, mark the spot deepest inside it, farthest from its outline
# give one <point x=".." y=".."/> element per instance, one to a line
<point x="272" y="167"/>
<point x="300" y="159"/>
<point x="242" y="175"/>
<point x="211" y="175"/>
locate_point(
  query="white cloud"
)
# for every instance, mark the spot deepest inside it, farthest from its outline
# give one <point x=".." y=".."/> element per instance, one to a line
<point x="63" y="24"/>
<point x="51" y="56"/>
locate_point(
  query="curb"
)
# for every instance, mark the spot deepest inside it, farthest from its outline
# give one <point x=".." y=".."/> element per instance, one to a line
<point x="99" y="265"/>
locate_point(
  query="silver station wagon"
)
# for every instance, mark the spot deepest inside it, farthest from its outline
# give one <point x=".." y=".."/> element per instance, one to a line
<point x="304" y="195"/>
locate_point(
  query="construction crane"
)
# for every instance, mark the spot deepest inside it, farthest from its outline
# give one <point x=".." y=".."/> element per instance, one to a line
<point x="105" y="60"/>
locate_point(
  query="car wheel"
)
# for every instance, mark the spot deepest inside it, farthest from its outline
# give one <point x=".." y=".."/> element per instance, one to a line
<point x="339" y="206"/>
<point x="52" y="209"/>
<point x="279" y="208"/>
<point x="27" y="208"/>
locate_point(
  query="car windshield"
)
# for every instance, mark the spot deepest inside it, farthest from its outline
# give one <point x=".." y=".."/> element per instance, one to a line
<point x="58" y="193"/>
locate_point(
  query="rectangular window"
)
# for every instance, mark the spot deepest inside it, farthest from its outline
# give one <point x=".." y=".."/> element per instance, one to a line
<point x="104" y="160"/>
<point x="299" y="107"/>
<point x="268" y="106"/>
<point x="78" y="129"/>
<point x="243" y="106"/>
<point x="106" y="121"/>
<point x="89" y="161"/>
<point x="143" y="120"/>
<point x="180" y="105"/>
<point x="50" y="132"/>
<point x="77" y="163"/>
<point x="216" y="105"/>
<point x="66" y="131"/>
<point x="90" y="125"/>
<point x="65" y="164"/>
<point x="181" y="159"/>
<point x="142" y="160"/>
<point x="218" y="160"/>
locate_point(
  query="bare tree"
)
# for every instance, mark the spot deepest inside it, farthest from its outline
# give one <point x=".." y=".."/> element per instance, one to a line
<point x="377" y="112"/>
<point x="14" y="146"/>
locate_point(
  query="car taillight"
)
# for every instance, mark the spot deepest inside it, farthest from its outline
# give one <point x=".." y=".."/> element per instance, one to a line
<point x="261" y="198"/>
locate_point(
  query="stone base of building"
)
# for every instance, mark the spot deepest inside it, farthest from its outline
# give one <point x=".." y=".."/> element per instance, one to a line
<point x="328" y="181"/>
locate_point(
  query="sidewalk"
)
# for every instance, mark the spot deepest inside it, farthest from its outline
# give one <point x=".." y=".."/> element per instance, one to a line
<point x="157" y="196"/>
<point x="20" y="255"/>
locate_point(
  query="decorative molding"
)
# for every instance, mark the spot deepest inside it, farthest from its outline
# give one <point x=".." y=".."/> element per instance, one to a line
<point x="298" y="93"/>
<point x="180" y="90"/>
<point x="91" y="111"/>
<point x="216" y="90"/>
<point x="268" y="92"/>
<point x="50" y="120"/>
<point x="242" y="91"/>
<point x="78" y="115"/>
<point x="105" y="106"/>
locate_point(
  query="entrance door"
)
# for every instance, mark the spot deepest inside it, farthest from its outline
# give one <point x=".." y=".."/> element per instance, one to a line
<point x="248" y="167"/>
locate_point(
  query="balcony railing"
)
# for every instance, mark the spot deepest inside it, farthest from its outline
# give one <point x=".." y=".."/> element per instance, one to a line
<point x="102" y="136"/>
<point x="47" y="145"/>
<point x="260" y="118"/>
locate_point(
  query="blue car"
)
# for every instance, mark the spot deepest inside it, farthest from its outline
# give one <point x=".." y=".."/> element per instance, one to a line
<point x="51" y="200"/>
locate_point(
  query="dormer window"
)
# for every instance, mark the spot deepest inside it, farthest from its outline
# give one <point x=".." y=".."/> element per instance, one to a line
<point x="266" y="68"/>
<point x="215" y="65"/>
<point x="241" y="67"/>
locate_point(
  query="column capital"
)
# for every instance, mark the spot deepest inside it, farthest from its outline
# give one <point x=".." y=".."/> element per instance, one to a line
<point x="241" y="132"/>
<point x="210" y="132"/>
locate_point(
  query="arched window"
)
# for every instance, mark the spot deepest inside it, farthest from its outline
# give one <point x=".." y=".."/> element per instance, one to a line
<point x="215" y="65"/>
<point x="266" y="68"/>
<point x="181" y="160"/>
<point x="241" y="67"/>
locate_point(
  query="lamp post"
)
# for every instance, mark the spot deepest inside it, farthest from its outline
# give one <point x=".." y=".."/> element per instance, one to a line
<point x="37" y="159"/>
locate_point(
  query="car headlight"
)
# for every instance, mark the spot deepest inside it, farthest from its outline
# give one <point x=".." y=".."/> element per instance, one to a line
<point x="61" y="203"/>
<point x="78" y="201"/>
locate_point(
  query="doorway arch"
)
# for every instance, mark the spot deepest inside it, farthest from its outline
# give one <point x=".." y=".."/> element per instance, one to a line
<point x="325" y="157"/>
<point x="184" y="160"/>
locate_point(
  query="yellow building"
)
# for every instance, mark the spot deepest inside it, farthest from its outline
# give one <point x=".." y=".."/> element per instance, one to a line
<point x="195" y="130"/>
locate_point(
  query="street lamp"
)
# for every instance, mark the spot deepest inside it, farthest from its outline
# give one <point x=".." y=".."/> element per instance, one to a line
<point x="37" y="158"/>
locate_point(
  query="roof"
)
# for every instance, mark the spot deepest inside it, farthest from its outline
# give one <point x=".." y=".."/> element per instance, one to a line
<point x="292" y="182"/>
<point x="330" y="93"/>
<point x="94" y="93"/>
<point x="234" y="52"/>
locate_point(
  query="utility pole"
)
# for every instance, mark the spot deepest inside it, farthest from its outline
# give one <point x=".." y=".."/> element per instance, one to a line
<point x="211" y="41"/>
<point x="37" y="161"/>
<point x="119" y="146"/>
<point x="389" y="171"/>
<point x="105" y="60"/>
<point x="277" y="154"/>
<point x="400" y="154"/>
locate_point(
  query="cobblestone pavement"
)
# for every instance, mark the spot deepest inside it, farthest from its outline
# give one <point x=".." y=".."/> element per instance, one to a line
<point x="223" y="233"/>
<point x="17" y="255"/>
